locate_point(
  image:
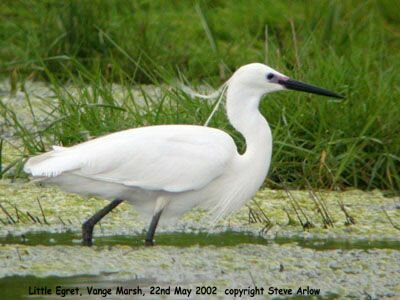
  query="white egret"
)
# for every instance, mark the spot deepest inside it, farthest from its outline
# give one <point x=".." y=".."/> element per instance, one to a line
<point x="170" y="169"/>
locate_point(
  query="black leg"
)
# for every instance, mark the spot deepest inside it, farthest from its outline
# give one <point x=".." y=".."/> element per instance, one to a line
<point x="152" y="229"/>
<point x="87" y="227"/>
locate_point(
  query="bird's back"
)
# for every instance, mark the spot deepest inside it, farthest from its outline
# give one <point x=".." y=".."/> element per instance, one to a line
<point x="172" y="158"/>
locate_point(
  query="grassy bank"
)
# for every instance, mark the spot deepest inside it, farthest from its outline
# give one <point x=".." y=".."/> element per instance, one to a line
<point x="351" y="47"/>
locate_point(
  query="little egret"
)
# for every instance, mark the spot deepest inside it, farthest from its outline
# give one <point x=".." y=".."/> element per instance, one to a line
<point x="170" y="169"/>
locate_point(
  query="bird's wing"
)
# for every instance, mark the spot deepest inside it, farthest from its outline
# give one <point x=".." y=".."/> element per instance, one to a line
<point x="170" y="158"/>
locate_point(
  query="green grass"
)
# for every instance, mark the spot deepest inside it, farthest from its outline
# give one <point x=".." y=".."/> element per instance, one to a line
<point x="351" y="47"/>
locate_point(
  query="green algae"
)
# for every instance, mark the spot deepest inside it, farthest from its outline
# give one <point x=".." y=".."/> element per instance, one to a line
<point x="9" y="154"/>
<point x="66" y="212"/>
<point x="287" y="265"/>
<point x="237" y="252"/>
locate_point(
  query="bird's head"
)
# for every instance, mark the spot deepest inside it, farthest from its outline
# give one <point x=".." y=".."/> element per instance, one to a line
<point x="262" y="79"/>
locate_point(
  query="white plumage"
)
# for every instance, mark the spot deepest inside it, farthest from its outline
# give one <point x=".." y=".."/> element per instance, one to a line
<point x="143" y="164"/>
<point x="173" y="168"/>
<point x="156" y="158"/>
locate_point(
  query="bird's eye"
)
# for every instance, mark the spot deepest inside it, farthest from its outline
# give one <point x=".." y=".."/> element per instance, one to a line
<point x="270" y="76"/>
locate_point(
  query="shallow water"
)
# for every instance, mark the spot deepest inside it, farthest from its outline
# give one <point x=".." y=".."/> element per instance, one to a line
<point x="178" y="239"/>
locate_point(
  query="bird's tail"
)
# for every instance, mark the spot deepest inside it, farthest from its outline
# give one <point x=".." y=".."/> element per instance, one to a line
<point x="49" y="164"/>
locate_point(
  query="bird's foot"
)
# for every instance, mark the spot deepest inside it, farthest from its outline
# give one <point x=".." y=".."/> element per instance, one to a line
<point x="87" y="242"/>
<point x="149" y="243"/>
<point x="87" y="234"/>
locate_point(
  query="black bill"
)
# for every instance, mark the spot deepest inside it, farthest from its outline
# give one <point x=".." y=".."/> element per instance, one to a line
<point x="304" y="87"/>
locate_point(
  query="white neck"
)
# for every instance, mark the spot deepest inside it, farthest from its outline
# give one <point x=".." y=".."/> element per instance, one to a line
<point x="244" y="115"/>
<point x="247" y="171"/>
